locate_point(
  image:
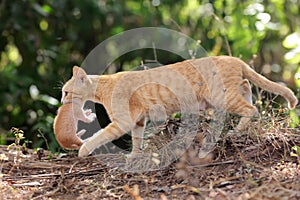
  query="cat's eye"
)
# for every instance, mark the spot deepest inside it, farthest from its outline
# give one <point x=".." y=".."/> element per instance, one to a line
<point x="66" y="93"/>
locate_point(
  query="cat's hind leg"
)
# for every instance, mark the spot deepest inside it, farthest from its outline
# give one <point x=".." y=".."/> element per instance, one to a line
<point x="239" y="101"/>
<point x="246" y="111"/>
<point x="245" y="91"/>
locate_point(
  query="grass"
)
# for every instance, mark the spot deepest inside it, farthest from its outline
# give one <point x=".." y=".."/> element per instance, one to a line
<point x="259" y="163"/>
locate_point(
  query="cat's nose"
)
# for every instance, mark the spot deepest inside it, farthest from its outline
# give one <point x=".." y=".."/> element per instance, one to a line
<point x="64" y="94"/>
<point x="64" y="101"/>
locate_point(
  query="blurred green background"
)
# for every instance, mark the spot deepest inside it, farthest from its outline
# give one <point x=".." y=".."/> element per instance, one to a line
<point x="40" y="41"/>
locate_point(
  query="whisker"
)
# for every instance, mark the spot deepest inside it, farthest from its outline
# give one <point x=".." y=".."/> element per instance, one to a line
<point x="59" y="86"/>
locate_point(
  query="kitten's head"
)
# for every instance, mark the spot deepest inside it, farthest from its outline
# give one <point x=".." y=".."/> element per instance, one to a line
<point x="79" y="86"/>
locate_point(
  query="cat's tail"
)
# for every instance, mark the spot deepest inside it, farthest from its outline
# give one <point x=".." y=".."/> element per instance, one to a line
<point x="268" y="85"/>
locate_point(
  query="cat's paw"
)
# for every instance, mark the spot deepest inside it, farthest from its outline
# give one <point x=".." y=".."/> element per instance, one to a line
<point x="83" y="151"/>
<point x="134" y="155"/>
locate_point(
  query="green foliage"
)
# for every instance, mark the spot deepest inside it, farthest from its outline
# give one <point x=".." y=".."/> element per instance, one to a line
<point x="177" y="115"/>
<point x="295" y="121"/>
<point x="18" y="145"/>
<point x="295" y="152"/>
<point x="19" y="135"/>
<point x="292" y="42"/>
<point x="40" y="41"/>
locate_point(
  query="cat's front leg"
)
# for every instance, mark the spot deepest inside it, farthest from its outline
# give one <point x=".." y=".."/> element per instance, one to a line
<point x="108" y="134"/>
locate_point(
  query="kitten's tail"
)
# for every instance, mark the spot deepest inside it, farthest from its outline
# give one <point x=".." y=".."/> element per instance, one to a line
<point x="268" y="85"/>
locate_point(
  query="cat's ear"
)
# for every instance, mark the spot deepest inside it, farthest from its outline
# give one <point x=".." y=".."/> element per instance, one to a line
<point x="75" y="70"/>
<point x="79" y="74"/>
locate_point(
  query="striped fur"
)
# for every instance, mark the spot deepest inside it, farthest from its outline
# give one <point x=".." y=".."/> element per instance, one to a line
<point x="189" y="86"/>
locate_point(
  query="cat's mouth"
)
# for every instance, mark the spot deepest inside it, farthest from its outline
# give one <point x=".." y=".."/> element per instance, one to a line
<point x="73" y="100"/>
<point x="66" y="101"/>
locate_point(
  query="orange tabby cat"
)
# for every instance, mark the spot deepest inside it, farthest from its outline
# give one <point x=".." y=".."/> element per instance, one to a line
<point x="65" y="124"/>
<point x="189" y="86"/>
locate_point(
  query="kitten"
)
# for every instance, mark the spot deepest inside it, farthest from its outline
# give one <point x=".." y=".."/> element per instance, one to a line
<point x="189" y="86"/>
<point x="65" y="124"/>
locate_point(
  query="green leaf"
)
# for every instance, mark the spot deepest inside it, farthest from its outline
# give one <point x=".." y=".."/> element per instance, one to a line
<point x="291" y="41"/>
<point x="297" y="78"/>
<point x="296" y="149"/>
<point x="47" y="9"/>
<point x="295" y="121"/>
<point x="40" y="10"/>
<point x="177" y="115"/>
<point x="293" y="56"/>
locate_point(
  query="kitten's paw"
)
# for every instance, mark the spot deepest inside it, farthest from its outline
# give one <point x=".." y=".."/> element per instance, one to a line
<point x="87" y="112"/>
<point x="88" y="118"/>
<point x="91" y="117"/>
<point x="81" y="132"/>
<point x="83" y="151"/>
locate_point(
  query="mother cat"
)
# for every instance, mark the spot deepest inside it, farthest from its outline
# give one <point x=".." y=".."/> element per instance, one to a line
<point x="187" y="86"/>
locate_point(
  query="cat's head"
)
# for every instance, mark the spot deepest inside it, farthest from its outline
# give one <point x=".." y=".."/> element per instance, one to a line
<point x="79" y="86"/>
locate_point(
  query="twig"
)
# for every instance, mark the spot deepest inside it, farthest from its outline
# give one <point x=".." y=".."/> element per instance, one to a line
<point x="48" y="176"/>
<point x="228" y="46"/>
<point x="188" y="187"/>
<point x="212" y="164"/>
<point x="134" y="193"/>
<point x="70" y="170"/>
<point x="48" y="194"/>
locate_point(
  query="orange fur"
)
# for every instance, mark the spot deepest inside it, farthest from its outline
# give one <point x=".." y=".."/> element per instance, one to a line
<point x="65" y="124"/>
<point x="189" y="86"/>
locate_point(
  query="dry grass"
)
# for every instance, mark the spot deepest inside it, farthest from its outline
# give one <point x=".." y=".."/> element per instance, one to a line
<point x="255" y="164"/>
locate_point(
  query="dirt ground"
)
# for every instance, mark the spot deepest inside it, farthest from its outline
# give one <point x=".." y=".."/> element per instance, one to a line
<point x="259" y="164"/>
